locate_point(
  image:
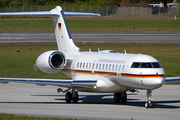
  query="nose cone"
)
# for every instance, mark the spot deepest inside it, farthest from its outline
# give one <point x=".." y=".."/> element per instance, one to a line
<point x="156" y="83"/>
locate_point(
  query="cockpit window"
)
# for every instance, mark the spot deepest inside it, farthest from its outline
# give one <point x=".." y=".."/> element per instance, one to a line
<point x="146" y="65"/>
<point x="156" y="65"/>
<point x="135" y="65"/>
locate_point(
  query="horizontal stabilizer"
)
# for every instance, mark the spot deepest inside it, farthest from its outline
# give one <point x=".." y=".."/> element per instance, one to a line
<point x="172" y="79"/>
<point x="47" y="13"/>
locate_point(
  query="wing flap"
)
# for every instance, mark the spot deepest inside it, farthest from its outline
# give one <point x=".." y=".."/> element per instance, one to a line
<point x="172" y="79"/>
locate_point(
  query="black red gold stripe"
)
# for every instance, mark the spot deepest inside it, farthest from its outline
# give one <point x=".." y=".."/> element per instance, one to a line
<point x="90" y="72"/>
<point x="142" y="75"/>
<point x="59" y="26"/>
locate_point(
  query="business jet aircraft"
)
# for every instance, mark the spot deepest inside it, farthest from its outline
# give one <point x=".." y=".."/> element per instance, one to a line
<point x="102" y="72"/>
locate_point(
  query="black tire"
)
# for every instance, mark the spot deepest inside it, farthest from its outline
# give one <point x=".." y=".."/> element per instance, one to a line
<point x="151" y="105"/>
<point x="117" y="97"/>
<point x="68" y="97"/>
<point x="75" y="99"/>
<point x="123" y="97"/>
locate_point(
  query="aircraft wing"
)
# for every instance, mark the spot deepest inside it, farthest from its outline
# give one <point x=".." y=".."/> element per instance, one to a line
<point x="172" y="79"/>
<point x="54" y="82"/>
<point x="46" y="13"/>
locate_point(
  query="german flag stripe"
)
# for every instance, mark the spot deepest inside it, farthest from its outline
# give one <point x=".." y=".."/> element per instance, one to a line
<point x="142" y="76"/>
<point x="90" y="72"/>
<point x="59" y="25"/>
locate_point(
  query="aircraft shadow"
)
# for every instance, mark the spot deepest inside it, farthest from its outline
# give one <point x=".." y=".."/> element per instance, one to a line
<point x="104" y="99"/>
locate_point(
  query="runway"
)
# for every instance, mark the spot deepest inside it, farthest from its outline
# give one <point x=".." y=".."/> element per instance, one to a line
<point x="49" y="38"/>
<point x="43" y="101"/>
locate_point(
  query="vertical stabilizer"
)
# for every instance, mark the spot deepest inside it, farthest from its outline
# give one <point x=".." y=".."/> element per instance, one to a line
<point x="63" y="37"/>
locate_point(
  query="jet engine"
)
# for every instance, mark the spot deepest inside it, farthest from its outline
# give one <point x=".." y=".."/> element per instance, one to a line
<point x="51" y="61"/>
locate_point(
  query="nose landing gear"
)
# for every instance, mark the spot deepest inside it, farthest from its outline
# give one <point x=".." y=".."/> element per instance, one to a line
<point x="149" y="103"/>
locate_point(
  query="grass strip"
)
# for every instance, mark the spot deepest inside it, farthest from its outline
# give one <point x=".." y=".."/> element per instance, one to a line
<point x="91" y="24"/>
<point x="20" y="117"/>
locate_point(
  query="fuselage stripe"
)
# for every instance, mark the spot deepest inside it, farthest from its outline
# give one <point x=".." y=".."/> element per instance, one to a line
<point x="142" y="76"/>
<point x="90" y="72"/>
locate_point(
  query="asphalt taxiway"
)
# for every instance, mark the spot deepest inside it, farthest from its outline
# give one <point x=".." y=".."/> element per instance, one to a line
<point x="49" y="38"/>
<point x="43" y="101"/>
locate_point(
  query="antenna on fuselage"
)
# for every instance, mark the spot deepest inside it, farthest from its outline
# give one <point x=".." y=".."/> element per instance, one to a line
<point x="125" y="51"/>
<point x="98" y="50"/>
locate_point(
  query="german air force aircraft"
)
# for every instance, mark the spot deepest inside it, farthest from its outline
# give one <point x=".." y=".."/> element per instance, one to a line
<point x="103" y="72"/>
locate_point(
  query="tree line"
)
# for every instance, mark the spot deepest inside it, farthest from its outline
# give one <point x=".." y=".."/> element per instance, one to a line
<point x="111" y="3"/>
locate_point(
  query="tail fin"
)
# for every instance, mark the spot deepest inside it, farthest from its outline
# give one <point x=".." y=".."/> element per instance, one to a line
<point x="63" y="37"/>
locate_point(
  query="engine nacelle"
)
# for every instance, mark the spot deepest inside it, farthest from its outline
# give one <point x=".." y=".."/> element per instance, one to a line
<point x="51" y="61"/>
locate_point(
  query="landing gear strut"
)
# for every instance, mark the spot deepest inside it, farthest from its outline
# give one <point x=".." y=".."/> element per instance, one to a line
<point x="120" y="97"/>
<point x="149" y="103"/>
<point x="72" y="96"/>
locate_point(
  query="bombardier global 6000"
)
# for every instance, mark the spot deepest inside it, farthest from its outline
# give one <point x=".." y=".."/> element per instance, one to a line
<point x="102" y="72"/>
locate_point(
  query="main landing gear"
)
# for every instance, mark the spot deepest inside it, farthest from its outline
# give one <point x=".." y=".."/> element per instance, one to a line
<point x="72" y="96"/>
<point x="149" y="103"/>
<point x="120" y="97"/>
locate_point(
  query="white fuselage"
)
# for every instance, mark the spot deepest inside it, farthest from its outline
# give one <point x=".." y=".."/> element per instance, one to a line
<point x="114" y="71"/>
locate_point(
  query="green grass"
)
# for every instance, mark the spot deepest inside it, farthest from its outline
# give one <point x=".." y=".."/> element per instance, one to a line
<point x="21" y="64"/>
<point x="91" y="24"/>
<point x="19" y="117"/>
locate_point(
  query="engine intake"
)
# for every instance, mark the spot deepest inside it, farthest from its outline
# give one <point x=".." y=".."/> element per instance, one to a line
<point x="51" y="61"/>
<point x="57" y="60"/>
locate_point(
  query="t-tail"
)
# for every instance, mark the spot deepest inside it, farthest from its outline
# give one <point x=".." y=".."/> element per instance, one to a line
<point x="63" y="37"/>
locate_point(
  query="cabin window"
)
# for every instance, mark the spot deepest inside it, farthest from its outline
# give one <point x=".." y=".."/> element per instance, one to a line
<point x="113" y="67"/>
<point x="103" y="67"/>
<point x="77" y="64"/>
<point x="110" y="67"/>
<point x="123" y="67"/>
<point x="83" y="65"/>
<point x="93" y="66"/>
<point x="89" y="65"/>
<point x="116" y="67"/>
<point x="96" y="66"/>
<point x="119" y="67"/>
<point x="106" y="66"/>
<point x="80" y="64"/>
<point x="99" y="66"/>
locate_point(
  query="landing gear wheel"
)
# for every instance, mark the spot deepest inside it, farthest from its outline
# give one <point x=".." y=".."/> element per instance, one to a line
<point x="76" y="98"/>
<point x="123" y="97"/>
<point x="68" y="97"/>
<point x="117" y="97"/>
<point x="149" y="104"/>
